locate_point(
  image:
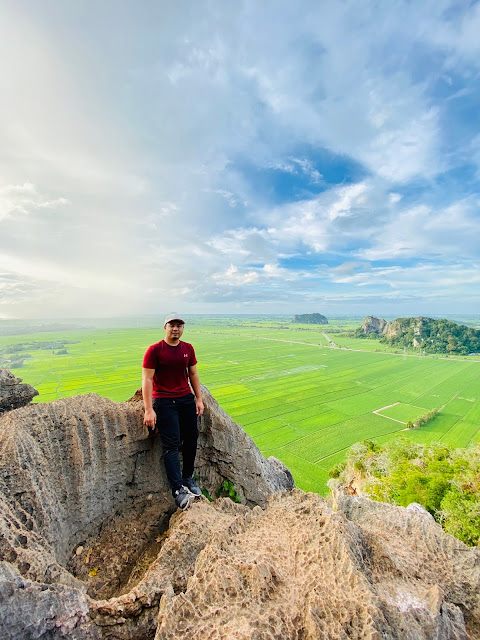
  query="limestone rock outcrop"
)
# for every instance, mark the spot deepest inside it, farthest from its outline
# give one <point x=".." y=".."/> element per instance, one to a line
<point x="91" y="546"/>
<point x="371" y="324"/>
<point x="299" y="569"/>
<point x="13" y="393"/>
<point x="84" y="505"/>
<point x="310" y="318"/>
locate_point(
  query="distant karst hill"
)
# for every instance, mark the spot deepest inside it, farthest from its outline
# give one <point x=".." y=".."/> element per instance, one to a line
<point x="434" y="336"/>
<point x="310" y="318"/>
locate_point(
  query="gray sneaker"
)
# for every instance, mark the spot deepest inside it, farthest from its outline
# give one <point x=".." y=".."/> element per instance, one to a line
<point x="183" y="497"/>
<point x="192" y="486"/>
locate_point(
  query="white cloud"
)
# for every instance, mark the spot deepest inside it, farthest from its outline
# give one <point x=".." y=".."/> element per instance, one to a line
<point x="403" y="149"/>
<point x="422" y="279"/>
<point x="252" y="244"/>
<point x="299" y="166"/>
<point x="24" y="199"/>
<point x="423" y="231"/>
<point x="233" y="276"/>
<point x="49" y="271"/>
<point x="459" y="35"/>
<point x="128" y="156"/>
<point x="331" y="221"/>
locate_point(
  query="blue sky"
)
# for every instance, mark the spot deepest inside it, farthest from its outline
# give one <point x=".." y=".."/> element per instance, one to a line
<point x="239" y="157"/>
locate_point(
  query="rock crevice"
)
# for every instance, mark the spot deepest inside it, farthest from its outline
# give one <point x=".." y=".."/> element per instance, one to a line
<point x="84" y="497"/>
<point x="93" y="548"/>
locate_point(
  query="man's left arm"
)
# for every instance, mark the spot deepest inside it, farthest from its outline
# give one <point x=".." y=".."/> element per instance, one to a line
<point x="195" y="382"/>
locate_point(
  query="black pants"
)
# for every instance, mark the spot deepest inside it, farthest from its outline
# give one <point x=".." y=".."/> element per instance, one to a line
<point x="178" y="429"/>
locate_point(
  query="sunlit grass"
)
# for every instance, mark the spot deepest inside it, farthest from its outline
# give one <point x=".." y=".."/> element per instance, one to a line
<point x="301" y="400"/>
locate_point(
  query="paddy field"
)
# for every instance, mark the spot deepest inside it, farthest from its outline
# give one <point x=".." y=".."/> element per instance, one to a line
<point x="300" y="398"/>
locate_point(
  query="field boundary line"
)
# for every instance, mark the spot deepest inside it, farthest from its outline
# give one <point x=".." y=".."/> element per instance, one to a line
<point x="311" y="344"/>
<point x="332" y="343"/>
<point x="451" y="427"/>
<point x="317" y="462"/>
<point x="327" y="426"/>
<point x="389" y="353"/>
<point x="459" y="418"/>
<point x="325" y="395"/>
<point x="386" y="407"/>
<point x="388" y="418"/>
<point x="471" y="441"/>
<point x="377" y="411"/>
<point x="448" y="379"/>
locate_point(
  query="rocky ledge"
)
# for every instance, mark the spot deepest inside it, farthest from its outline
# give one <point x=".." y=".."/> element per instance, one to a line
<point x="85" y="509"/>
<point x="93" y="548"/>
<point x="13" y="393"/>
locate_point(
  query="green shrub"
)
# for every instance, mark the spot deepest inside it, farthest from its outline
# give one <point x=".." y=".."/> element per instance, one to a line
<point x="460" y="515"/>
<point x="444" y="480"/>
<point x="337" y="470"/>
<point x="207" y="495"/>
<point x="227" y="490"/>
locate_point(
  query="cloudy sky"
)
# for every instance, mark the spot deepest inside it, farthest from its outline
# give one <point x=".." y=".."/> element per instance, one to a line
<point x="239" y="157"/>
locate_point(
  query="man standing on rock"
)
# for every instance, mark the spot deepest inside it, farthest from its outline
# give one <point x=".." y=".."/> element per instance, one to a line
<point x="169" y="368"/>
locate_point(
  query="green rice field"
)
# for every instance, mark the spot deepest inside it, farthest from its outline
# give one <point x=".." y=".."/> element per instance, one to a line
<point x="300" y="399"/>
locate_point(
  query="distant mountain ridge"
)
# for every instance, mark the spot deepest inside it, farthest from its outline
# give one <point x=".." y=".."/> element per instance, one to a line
<point x="434" y="336"/>
<point x="310" y="318"/>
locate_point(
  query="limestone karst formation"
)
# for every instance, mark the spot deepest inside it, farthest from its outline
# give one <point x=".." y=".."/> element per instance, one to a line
<point x="91" y="546"/>
<point x="13" y="393"/>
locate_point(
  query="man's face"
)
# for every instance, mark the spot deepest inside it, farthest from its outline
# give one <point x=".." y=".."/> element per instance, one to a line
<point x="174" y="330"/>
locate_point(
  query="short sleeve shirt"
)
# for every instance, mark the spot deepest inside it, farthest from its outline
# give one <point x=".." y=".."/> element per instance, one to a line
<point x="171" y="368"/>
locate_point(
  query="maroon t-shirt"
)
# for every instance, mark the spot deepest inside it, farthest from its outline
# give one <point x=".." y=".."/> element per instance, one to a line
<point x="171" y="368"/>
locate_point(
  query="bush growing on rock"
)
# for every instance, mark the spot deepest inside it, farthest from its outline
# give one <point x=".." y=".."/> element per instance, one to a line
<point x="444" y="480"/>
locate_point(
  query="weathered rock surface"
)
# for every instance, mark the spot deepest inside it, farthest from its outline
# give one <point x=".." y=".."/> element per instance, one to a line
<point x="300" y="570"/>
<point x="92" y="548"/>
<point x="84" y="504"/>
<point x="371" y="324"/>
<point x="13" y="393"/>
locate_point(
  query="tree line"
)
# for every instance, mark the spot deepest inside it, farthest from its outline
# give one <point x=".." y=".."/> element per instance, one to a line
<point x="432" y="336"/>
<point x="446" y="481"/>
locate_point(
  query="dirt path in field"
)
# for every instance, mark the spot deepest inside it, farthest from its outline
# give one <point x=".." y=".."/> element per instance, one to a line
<point x="377" y="411"/>
<point x="378" y="353"/>
<point x="312" y="344"/>
<point x="331" y="342"/>
<point x="336" y="346"/>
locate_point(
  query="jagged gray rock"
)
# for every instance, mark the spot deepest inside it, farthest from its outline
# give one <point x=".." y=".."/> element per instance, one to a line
<point x="71" y="471"/>
<point x="226" y="451"/>
<point x="92" y="548"/>
<point x="298" y="569"/>
<point x="13" y="393"/>
<point x="371" y="324"/>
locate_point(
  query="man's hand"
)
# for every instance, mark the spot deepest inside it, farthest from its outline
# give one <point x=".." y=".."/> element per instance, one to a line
<point x="199" y="405"/>
<point x="150" y="418"/>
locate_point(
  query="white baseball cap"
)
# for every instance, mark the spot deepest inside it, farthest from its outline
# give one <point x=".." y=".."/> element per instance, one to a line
<point x="171" y="317"/>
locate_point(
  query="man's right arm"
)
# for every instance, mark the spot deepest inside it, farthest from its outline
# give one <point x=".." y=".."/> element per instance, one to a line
<point x="150" y="416"/>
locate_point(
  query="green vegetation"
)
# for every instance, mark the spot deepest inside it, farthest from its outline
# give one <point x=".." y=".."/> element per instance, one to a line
<point x="423" y="419"/>
<point x="206" y="493"/>
<point x="14" y="355"/>
<point x="310" y="318"/>
<point x="445" y="480"/>
<point x="300" y="399"/>
<point x="227" y="490"/>
<point x="429" y="335"/>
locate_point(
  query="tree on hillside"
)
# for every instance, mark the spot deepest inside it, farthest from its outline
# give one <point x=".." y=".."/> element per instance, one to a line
<point x="432" y="336"/>
<point x="444" y="480"/>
